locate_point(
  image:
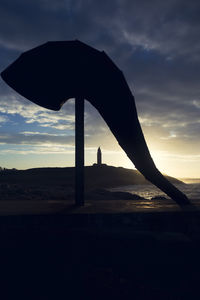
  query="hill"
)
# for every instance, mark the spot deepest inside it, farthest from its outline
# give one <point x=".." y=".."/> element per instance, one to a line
<point x="58" y="183"/>
<point x="95" y="176"/>
<point x="108" y="176"/>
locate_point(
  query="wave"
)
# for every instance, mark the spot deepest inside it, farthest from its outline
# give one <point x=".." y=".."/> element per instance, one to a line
<point x="149" y="191"/>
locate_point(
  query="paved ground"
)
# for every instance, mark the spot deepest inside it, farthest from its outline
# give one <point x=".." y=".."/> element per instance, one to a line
<point x="108" y="249"/>
<point x="27" y="207"/>
<point x="60" y="262"/>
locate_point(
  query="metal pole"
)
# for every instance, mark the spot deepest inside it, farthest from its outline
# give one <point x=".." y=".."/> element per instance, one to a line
<point x="79" y="151"/>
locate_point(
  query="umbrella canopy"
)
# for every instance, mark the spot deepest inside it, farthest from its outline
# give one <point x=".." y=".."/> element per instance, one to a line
<point x="50" y="74"/>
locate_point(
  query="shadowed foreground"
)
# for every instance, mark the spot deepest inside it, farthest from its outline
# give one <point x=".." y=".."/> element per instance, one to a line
<point x="78" y="255"/>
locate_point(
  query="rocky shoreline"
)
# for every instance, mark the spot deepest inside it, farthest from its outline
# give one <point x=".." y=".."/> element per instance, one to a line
<point x="17" y="191"/>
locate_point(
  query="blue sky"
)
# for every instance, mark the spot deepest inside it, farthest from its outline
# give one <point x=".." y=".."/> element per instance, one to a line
<point x="156" y="45"/>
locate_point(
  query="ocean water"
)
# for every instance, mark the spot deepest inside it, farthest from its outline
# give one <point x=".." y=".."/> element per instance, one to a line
<point x="192" y="190"/>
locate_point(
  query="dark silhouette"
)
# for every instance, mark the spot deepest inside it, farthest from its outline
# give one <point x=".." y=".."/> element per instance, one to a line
<point x="58" y="183"/>
<point x="50" y="74"/>
<point x="79" y="151"/>
<point x="99" y="157"/>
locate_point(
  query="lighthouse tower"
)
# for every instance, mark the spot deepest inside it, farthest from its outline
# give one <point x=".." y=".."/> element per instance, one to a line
<point x="99" y="157"/>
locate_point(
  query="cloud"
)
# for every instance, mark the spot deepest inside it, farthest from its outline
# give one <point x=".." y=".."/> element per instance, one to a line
<point x="36" y="138"/>
<point x="3" y="119"/>
<point x="39" y="150"/>
<point x="171" y="28"/>
<point x="12" y="105"/>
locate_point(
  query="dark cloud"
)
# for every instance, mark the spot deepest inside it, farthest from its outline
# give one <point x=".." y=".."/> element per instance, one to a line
<point x="34" y="139"/>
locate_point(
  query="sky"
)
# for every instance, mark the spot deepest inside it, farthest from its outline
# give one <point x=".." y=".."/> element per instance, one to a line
<point x="155" y="43"/>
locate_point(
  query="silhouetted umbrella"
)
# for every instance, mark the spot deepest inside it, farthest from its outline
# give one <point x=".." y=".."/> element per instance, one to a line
<point x="50" y="74"/>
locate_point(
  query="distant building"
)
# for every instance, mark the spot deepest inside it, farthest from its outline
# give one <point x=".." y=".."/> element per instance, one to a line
<point x="99" y="157"/>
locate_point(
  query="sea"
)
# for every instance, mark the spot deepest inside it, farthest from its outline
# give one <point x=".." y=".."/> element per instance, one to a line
<point x="190" y="187"/>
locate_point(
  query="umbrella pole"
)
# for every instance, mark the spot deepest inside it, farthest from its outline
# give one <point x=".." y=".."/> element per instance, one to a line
<point x="79" y="151"/>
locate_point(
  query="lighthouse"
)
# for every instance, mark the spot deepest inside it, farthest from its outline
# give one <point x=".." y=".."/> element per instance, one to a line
<point x="99" y="157"/>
